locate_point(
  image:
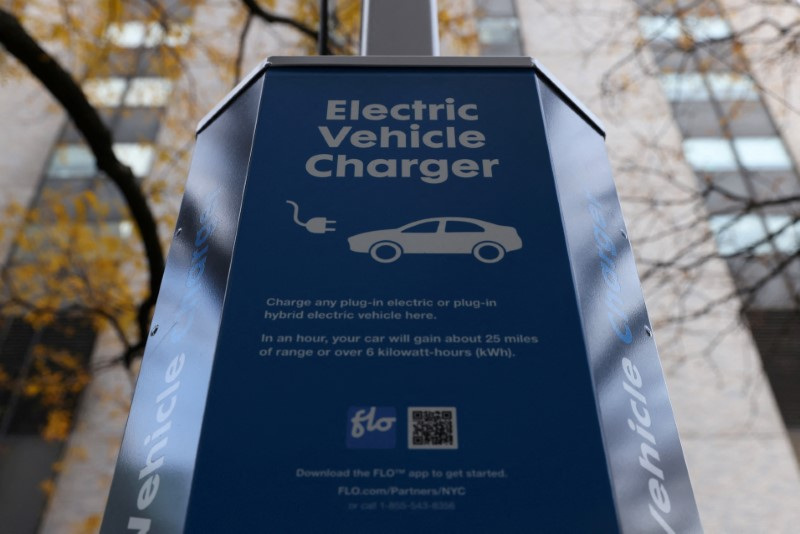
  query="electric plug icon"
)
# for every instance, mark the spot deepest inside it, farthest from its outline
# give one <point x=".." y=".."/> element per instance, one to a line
<point x="315" y="225"/>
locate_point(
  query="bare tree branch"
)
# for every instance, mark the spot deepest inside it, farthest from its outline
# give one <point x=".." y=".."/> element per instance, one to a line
<point x="68" y="92"/>
<point x="267" y="16"/>
<point x="240" y="51"/>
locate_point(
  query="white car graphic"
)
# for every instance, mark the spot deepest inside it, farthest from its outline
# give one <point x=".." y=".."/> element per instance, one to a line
<point x="486" y="241"/>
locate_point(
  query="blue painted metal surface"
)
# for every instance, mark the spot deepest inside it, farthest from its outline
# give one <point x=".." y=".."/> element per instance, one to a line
<point x="430" y="322"/>
<point x="651" y="484"/>
<point x="155" y="467"/>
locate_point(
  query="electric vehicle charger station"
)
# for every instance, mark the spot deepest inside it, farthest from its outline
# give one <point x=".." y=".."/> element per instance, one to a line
<point x="401" y="298"/>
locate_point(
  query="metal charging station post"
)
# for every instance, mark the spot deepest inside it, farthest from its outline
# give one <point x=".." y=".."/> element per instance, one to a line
<point x="401" y="299"/>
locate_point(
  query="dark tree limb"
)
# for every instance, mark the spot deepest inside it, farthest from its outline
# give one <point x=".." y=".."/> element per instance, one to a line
<point x="331" y="43"/>
<point x="69" y="94"/>
<point x="240" y="54"/>
<point x="267" y="16"/>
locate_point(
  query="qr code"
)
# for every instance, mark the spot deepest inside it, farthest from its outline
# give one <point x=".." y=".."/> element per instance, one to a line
<point x="432" y="428"/>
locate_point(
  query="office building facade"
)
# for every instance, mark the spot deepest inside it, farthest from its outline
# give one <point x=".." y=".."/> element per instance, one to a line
<point x="683" y="119"/>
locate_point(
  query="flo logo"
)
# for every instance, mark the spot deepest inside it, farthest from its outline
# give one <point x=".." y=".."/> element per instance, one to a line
<point x="371" y="427"/>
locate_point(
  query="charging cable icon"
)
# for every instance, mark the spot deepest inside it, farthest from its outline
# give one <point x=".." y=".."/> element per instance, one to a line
<point x="315" y="225"/>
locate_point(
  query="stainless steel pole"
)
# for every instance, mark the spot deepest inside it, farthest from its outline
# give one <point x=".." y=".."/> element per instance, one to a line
<point x="399" y="28"/>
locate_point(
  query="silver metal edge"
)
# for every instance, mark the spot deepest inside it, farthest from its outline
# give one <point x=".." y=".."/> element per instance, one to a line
<point x="232" y="94"/>
<point x="434" y="18"/>
<point x="399" y="61"/>
<point x="404" y="61"/>
<point x="582" y="110"/>
<point x="362" y="36"/>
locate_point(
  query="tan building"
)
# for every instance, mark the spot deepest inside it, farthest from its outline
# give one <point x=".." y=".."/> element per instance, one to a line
<point x="663" y="113"/>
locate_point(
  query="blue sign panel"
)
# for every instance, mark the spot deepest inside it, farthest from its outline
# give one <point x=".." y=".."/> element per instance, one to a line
<point x="404" y="345"/>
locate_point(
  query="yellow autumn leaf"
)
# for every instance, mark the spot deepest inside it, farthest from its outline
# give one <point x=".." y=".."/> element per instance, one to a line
<point x="47" y="486"/>
<point x="90" y="525"/>
<point x="58" y="425"/>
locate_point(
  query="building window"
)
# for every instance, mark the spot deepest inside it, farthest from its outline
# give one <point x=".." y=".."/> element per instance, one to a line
<point x="691" y="86"/>
<point x="135" y="34"/>
<point x="715" y="154"/>
<point x="671" y="28"/>
<point x="77" y="161"/>
<point x="141" y="92"/>
<point x="137" y="156"/>
<point x="176" y="35"/>
<point x="148" y="92"/>
<point x="660" y="28"/>
<point x="497" y="30"/>
<point x="762" y="153"/>
<point x="127" y="34"/>
<point x="739" y="233"/>
<point x="710" y="154"/>
<point x="72" y="161"/>
<point x="684" y="87"/>
<point x="105" y="92"/>
<point x="730" y="86"/>
<point x="707" y="28"/>
<point x="125" y="229"/>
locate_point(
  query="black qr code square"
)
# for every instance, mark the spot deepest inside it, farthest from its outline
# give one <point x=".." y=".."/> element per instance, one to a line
<point x="432" y="427"/>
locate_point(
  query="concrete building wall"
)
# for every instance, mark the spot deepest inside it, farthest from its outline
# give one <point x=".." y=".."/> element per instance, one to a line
<point x="81" y="488"/>
<point x="31" y="121"/>
<point x="82" y="483"/>
<point x="740" y="462"/>
<point x="744" y="474"/>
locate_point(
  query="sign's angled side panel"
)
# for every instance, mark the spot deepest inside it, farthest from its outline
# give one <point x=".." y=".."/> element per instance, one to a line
<point x="150" y="490"/>
<point x="651" y="484"/>
<point x="401" y="348"/>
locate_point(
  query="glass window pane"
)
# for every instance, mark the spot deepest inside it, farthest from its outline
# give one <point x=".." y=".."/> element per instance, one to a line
<point x="154" y="35"/>
<point x="137" y="156"/>
<point x="707" y="28"/>
<point x="709" y="154"/>
<point x="127" y="34"/>
<point x="496" y="30"/>
<point x="671" y="28"/>
<point x="659" y="28"/>
<point x="737" y="233"/>
<point x="125" y="229"/>
<point x="72" y="161"/>
<point x="177" y="35"/>
<point x="730" y="86"/>
<point x="787" y="235"/>
<point x="150" y="92"/>
<point x="762" y="153"/>
<point x="684" y="87"/>
<point x="133" y="34"/>
<point x="104" y="91"/>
